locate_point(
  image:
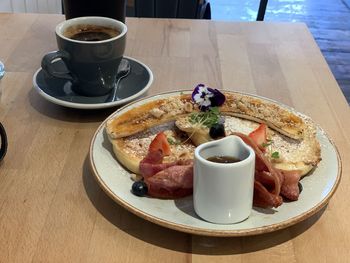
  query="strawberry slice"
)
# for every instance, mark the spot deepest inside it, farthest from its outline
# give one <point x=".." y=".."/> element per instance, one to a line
<point x="259" y="136"/>
<point x="160" y="142"/>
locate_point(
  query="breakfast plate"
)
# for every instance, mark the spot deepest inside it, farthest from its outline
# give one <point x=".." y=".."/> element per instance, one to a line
<point x="114" y="179"/>
<point x="59" y="91"/>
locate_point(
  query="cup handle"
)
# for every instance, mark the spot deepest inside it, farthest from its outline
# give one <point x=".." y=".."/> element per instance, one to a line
<point x="47" y="61"/>
<point x="3" y="136"/>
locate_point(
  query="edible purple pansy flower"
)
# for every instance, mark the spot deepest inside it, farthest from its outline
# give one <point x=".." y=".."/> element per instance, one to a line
<point x="207" y="97"/>
<point x="218" y="99"/>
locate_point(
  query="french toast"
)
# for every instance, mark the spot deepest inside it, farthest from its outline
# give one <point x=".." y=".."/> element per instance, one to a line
<point x="132" y="149"/>
<point x="292" y="135"/>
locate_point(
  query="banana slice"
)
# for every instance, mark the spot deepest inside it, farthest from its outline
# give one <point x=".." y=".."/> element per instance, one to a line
<point x="243" y="106"/>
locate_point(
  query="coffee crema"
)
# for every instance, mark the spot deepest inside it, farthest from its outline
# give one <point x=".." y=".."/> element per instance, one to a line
<point x="90" y="32"/>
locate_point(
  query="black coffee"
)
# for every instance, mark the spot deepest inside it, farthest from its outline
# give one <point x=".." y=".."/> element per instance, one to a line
<point x="90" y="32"/>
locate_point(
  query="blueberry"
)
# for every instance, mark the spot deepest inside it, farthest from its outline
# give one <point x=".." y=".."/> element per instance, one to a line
<point x="139" y="188"/>
<point x="217" y="130"/>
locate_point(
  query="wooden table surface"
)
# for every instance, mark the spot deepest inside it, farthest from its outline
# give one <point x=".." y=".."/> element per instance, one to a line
<point x="52" y="209"/>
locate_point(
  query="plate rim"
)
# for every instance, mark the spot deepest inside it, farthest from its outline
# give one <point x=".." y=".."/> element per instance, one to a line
<point x="95" y="105"/>
<point x="211" y="232"/>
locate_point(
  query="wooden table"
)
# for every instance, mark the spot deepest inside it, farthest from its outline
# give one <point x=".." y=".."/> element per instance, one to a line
<point x="52" y="209"/>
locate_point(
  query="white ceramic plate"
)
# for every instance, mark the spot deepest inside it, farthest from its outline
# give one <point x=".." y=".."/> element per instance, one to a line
<point x="318" y="188"/>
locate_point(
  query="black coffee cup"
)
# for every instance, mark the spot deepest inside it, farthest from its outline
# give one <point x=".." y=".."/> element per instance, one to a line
<point x="91" y="48"/>
<point x="3" y="148"/>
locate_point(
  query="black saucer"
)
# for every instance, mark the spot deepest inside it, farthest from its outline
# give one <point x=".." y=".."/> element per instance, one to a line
<point x="60" y="92"/>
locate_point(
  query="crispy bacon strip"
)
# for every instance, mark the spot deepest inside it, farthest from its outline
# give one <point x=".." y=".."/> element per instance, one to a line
<point x="268" y="180"/>
<point x="290" y="188"/>
<point x="263" y="164"/>
<point x="263" y="198"/>
<point x="166" y="180"/>
<point x="153" y="163"/>
<point x="173" y="182"/>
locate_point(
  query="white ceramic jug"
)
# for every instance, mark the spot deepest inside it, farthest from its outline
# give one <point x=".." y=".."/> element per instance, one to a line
<point x="223" y="192"/>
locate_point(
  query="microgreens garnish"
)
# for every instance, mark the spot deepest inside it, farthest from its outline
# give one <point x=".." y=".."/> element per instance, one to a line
<point x="275" y="155"/>
<point x="206" y="97"/>
<point x="267" y="143"/>
<point x="172" y="141"/>
<point x="207" y="118"/>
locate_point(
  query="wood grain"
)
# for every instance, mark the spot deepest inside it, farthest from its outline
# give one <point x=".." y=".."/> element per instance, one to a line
<point x="51" y="208"/>
<point x="326" y="20"/>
